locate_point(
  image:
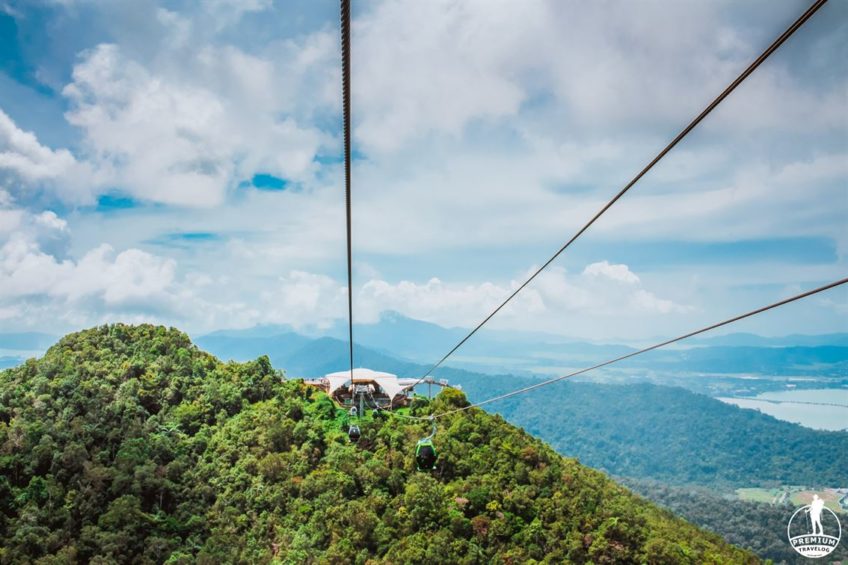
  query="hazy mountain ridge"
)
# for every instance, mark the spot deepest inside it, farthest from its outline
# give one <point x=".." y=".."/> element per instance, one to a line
<point x="534" y="353"/>
<point x="516" y="352"/>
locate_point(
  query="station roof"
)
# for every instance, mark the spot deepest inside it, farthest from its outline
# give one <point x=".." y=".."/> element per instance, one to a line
<point x="390" y="383"/>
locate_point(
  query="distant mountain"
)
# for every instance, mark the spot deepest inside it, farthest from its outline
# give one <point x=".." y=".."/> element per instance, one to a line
<point x="300" y="356"/>
<point x="794" y="340"/>
<point x="26" y="341"/>
<point x="327" y="355"/>
<point x="7" y="361"/>
<point x="250" y="345"/>
<point x="264" y="330"/>
<point x="534" y="354"/>
<point x="423" y="342"/>
<point x="16" y="347"/>
<point x="825" y="360"/>
<point x="406" y="337"/>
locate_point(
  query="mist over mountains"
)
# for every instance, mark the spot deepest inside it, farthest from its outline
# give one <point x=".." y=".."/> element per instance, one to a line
<point x="400" y="344"/>
<point x="410" y="342"/>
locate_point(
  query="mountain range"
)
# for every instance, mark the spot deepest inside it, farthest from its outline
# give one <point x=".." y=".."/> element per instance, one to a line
<point x="503" y="351"/>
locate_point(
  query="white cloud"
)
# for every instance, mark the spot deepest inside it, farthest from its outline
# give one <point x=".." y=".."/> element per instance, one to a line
<point x="21" y="153"/>
<point x="620" y="273"/>
<point x="10" y="220"/>
<point x="797" y="198"/>
<point x="439" y="66"/>
<point x="27" y="166"/>
<point x="229" y="12"/>
<point x="302" y="299"/>
<point x="484" y="127"/>
<point x="34" y="268"/>
<point x="434" y="301"/>
<point x="180" y="143"/>
<point x="51" y="221"/>
<point x="42" y="229"/>
<point x="114" y="278"/>
<point x="571" y="101"/>
<point x="422" y="67"/>
<point x="9" y="312"/>
<point x="602" y="291"/>
<point x="118" y="278"/>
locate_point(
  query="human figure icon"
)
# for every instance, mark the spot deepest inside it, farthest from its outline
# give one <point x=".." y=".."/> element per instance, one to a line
<point x="815" y="510"/>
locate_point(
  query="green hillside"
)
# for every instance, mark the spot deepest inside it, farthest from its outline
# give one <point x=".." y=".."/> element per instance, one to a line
<point x="678" y="437"/>
<point x="129" y="445"/>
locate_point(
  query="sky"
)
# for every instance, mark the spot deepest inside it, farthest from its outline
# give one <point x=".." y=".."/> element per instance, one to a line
<point x="179" y="162"/>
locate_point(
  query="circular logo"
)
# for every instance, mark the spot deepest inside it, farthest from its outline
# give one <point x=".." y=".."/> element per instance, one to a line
<point x="814" y="530"/>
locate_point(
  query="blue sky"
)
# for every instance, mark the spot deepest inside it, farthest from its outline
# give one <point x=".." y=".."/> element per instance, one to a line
<point x="178" y="162"/>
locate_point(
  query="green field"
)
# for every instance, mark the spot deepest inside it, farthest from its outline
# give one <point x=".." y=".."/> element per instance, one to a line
<point x="794" y="495"/>
<point x="770" y="495"/>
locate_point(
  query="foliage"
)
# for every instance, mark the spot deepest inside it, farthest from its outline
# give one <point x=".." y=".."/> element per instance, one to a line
<point x="675" y="436"/>
<point x="129" y="445"/>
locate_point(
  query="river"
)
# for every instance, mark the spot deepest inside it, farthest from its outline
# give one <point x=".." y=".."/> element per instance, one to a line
<point x="789" y="405"/>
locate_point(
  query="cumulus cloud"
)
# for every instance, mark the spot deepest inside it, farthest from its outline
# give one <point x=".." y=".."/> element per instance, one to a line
<point x="27" y="165"/>
<point x="230" y="11"/>
<point x="571" y="101"/>
<point x="413" y="79"/>
<point x="603" y="269"/>
<point x="43" y="229"/>
<point x="441" y="66"/>
<point x="478" y="126"/>
<point x="304" y="299"/>
<point x="36" y="269"/>
<point x="114" y="278"/>
<point x="21" y="153"/>
<point x="179" y="142"/>
<point x="602" y="290"/>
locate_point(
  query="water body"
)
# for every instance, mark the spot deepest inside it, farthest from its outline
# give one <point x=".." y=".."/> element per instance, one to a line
<point x="790" y="406"/>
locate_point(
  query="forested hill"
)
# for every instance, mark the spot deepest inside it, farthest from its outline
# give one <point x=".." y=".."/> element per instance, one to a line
<point x="128" y="444"/>
<point x="675" y="436"/>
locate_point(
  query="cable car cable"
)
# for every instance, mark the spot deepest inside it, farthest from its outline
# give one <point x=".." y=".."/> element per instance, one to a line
<point x="345" y="40"/>
<point x="535" y="386"/>
<point x="730" y="88"/>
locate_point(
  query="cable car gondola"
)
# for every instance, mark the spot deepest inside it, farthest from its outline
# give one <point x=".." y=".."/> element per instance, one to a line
<point x="354" y="434"/>
<point x="425" y="451"/>
<point x="425" y="454"/>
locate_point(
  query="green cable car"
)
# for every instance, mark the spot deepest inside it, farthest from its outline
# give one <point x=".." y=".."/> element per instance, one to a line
<point x="425" y="454"/>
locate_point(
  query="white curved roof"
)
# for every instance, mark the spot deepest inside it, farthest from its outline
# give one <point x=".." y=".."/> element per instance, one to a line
<point x="360" y="373"/>
<point x="390" y="383"/>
